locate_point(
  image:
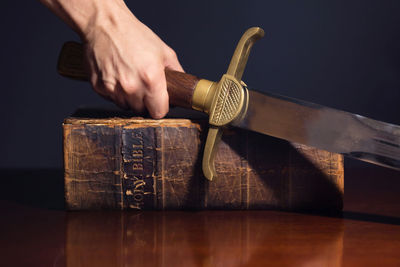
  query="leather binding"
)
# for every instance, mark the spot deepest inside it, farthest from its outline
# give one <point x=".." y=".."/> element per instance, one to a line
<point x="143" y="164"/>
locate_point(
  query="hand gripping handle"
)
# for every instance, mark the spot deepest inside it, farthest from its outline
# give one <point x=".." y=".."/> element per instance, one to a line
<point x="225" y="101"/>
<point x="180" y="85"/>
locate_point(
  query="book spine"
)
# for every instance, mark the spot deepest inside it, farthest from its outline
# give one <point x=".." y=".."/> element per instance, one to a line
<point x="139" y="160"/>
<point x="160" y="167"/>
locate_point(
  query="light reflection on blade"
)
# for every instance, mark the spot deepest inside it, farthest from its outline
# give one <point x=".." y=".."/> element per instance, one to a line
<point x="325" y="128"/>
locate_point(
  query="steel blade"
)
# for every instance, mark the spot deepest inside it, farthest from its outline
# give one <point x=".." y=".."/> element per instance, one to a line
<point x="324" y="128"/>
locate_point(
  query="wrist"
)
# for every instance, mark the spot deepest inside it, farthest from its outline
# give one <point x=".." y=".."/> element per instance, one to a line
<point x="102" y="15"/>
<point x="84" y="15"/>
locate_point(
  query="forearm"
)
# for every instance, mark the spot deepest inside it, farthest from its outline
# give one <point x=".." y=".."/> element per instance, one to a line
<point x="83" y="15"/>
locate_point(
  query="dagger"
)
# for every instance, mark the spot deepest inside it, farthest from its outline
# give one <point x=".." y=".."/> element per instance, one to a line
<point x="230" y="103"/>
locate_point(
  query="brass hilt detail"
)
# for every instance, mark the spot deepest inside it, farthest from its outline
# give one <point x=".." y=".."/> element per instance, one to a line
<point x="225" y="101"/>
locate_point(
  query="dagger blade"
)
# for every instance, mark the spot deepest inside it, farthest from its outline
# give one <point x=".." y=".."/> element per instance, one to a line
<point x="324" y="128"/>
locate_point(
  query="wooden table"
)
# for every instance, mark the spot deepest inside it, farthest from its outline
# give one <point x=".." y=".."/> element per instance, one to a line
<point x="35" y="231"/>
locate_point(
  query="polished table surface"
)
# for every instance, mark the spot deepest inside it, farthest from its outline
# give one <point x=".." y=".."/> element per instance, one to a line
<point x="35" y="231"/>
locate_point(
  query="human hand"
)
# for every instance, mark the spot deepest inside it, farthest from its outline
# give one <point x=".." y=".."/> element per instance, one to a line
<point x="126" y="62"/>
<point x="124" y="58"/>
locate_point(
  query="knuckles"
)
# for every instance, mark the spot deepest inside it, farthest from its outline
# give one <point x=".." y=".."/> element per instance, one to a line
<point x="171" y="53"/>
<point x="109" y="86"/>
<point x="154" y="78"/>
<point x="130" y="86"/>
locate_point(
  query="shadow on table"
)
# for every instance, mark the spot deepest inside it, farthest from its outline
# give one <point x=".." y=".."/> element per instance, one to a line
<point x="34" y="187"/>
<point x="366" y="217"/>
<point x="371" y="193"/>
<point x="354" y="215"/>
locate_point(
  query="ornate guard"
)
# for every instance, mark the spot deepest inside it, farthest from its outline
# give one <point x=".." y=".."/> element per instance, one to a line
<point x="225" y="101"/>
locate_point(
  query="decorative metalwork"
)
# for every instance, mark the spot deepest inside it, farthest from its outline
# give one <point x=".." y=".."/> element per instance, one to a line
<point x="228" y="102"/>
<point x="225" y="101"/>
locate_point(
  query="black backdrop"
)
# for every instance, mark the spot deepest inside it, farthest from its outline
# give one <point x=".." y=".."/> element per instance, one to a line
<point x="343" y="54"/>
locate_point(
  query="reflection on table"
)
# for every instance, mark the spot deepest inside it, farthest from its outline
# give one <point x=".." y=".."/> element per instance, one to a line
<point x="202" y="239"/>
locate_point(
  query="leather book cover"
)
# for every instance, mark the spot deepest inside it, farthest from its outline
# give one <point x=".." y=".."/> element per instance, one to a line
<point x="126" y="163"/>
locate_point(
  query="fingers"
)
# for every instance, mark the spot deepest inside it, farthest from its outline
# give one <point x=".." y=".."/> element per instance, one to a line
<point x="131" y="71"/>
<point x="132" y="89"/>
<point x="147" y="90"/>
<point x="112" y="92"/>
<point x="156" y="96"/>
<point x="120" y="97"/>
<point x="171" y="60"/>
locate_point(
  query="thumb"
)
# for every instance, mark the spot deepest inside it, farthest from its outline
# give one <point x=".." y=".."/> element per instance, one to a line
<point x="171" y="60"/>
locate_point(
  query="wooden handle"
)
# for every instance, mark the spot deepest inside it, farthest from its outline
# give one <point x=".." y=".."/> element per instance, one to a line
<point x="180" y="88"/>
<point x="180" y="85"/>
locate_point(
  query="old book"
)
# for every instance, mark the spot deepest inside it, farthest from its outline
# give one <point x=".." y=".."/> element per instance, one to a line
<point x="143" y="164"/>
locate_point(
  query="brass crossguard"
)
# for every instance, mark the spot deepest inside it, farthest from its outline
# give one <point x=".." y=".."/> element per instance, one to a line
<point x="225" y="101"/>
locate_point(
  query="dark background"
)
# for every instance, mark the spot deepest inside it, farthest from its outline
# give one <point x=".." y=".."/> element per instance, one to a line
<point x="343" y="54"/>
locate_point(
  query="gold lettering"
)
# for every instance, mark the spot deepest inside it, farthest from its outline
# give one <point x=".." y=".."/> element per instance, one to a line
<point x="137" y="191"/>
<point x="137" y="178"/>
<point x="138" y="196"/>
<point x="137" y="135"/>
<point x="136" y="206"/>
<point x="137" y="153"/>
<point x="137" y="167"/>
<point x="139" y="183"/>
